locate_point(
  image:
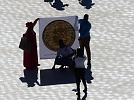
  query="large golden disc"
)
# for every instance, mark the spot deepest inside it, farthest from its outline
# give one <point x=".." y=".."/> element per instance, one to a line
<point x="56" y="30"/>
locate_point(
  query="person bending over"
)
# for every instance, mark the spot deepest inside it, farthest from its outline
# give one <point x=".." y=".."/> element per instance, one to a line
<point x="64" y="55"/>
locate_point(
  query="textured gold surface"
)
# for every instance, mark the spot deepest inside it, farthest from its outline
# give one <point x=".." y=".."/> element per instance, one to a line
<point x="56" y="30"/>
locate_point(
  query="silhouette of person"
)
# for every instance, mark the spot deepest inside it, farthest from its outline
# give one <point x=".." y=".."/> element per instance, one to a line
<point x="58" y="4"/>
<point x="87" y="3"/>
<point x="30" y="59"/>
<point x="79" y="70"/>
<point x="64" y="55"/>
<point x="30" y="77"/>
<point x="84" y="39"/>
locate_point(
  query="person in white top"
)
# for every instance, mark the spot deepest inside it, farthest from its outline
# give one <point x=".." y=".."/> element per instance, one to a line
<point x="64" y="55"/>
<point x="79" y="70"/>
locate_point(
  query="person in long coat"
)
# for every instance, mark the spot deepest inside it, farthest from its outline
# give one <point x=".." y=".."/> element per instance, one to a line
<point x="30" y="60"/>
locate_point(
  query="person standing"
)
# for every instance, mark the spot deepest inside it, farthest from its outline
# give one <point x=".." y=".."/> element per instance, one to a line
<point x="84" y="39"/>
<point x="30" y="59"/>
<point x="79" y="70"/>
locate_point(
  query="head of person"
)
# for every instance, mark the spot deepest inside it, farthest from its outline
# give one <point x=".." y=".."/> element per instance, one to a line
<point x="29" y="25"/>
<point x="79" y="52"/>
<point x="61" y="43"/>
<point x="85" y="17"/>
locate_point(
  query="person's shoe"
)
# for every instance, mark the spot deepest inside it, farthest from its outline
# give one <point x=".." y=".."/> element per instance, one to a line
<point x="85" y="90"/>
<point x="38" y="65"/>
<point x="78" y="93"/>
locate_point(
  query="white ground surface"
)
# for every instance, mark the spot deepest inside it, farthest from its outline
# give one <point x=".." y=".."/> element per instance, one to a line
<point x="112" y="47"/>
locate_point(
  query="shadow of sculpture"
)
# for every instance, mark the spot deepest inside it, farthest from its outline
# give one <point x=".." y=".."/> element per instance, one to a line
<point x="86" y="3"/>
<point x="55" y="77"/>
<point x="30" y="77"/>
<point x="50" y="77"/>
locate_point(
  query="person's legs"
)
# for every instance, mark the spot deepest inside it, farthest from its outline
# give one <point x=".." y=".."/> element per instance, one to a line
<point x="81" y="44"/>
<point x="78" y="86"/>
<point x="83" y="79"/>
<point x="77" y="77"/>
<point x="72" y="66"/>
<point x="57" y="60"/>
<point x="53" y="68"/>
<point x="66" y="62"/>
<point x="86" y="45"/>
<point x="61" y="67"/>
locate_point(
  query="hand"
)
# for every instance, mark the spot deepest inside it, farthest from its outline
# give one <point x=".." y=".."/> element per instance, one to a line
<point x="34" y="23"/>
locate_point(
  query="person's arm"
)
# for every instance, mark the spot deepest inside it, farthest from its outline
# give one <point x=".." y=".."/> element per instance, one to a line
<point x="34" y="23"/>
<point x="71" y="52"/>
<point x="71" y="55"/>
<point x="80" y="21"/>
<point x="58" y="52"/>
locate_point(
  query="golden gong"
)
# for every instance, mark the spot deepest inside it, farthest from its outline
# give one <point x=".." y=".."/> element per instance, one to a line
<point x="56" y="30"/>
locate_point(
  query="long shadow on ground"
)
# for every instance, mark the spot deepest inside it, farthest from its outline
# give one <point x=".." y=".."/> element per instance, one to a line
<point x="30" y="77"/>
<point x="50" y="77"/>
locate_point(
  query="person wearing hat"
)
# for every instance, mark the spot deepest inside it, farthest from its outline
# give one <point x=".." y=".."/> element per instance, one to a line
<point x="30" y="59"/>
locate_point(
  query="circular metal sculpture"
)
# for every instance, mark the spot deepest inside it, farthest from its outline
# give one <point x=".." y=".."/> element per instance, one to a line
<point x="56" y="30"/>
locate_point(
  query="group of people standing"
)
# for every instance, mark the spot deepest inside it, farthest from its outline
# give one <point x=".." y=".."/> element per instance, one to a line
<point x="84" y="42"/>
<point x="66" y="56"/>
<point x="75" y="59"/>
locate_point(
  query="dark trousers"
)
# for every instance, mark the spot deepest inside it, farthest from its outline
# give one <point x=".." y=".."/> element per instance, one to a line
<point x="80" y="75"/>
<point x="85" y="43"/>
<point x="62" y="61"/>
